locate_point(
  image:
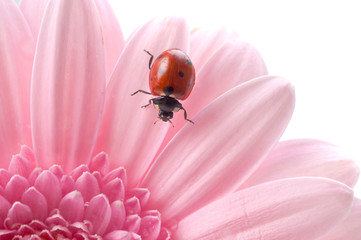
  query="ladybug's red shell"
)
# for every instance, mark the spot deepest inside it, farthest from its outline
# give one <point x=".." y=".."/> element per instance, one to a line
<point x="172" y="74"/>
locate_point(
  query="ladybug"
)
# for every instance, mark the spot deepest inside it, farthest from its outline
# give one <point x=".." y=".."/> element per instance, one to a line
<point x="171" y="78"/>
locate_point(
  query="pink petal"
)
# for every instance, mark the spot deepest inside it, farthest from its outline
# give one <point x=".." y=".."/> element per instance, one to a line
<point x="100" y="163"/>
<point x="72" y="207"/>
<point x="114" y="190"/>
<point x="48" y="184"/>
<point x="77" y="172"/>
<point x="18" y="213"/>
<point x="127" y="133"/>
<point x="57" y="171"/>
<point x="4" y="177"/>
<point x="20" y="166"/>
<point x="117" y="173"/>
<point x="142" y="194"/>
<point x="37" y="202"/>
<point x="4" y="208"/>
<point x="297" y="209"/>
<point x="15" y="188"/>
<point x="228" y="140"/>
<point x="122" y="235"/>
<point x="67" y="184"/>
<point x="112" y="35"/>
<point x="98" y="213"/>
<point x="234" y="62"/>
<point x="88" y="185"/>
<point x="150" y="228"/>
<point x="305" y="157"/>
<point x="16" y="58"/>
<point x="132" y="223"/>
<point x="349" y="229"/>
<point x="205" y="42"/>
<point x="118" y="216"/>
<point x="28" y="154"/>
<point x="132" y="206"/>
<point x="68" y="84"/>
<point x="33" y="13"/>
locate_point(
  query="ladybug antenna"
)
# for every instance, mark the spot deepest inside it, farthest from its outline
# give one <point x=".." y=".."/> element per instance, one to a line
<point x="171" y="123"/>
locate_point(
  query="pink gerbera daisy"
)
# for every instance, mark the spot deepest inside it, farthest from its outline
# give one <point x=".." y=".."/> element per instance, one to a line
<point x="92" y="165"/>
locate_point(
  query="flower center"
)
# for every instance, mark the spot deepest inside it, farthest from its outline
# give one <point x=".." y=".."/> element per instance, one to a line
<point x="89" y="203"/>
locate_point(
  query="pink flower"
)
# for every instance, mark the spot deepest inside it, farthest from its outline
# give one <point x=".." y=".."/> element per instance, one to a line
<point x="100" y="168"/>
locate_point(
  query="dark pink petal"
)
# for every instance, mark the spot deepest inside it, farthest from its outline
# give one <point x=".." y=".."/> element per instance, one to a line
<point x="78" y="171"/>
<point x="67" y="184"/>
<point x="142" y="194"/>
<point x="132" y="223"/>
<point x="233" y="63"/>
<point x="305" y="157"/>
<point x="34" y="175"/>
<point x="122" y="235"/>
<point x="16" y="187"/>
<point x="205" y="42"/>
<point x="34" y="14"/>
<point x="349" y="229"/>
<point x="48" y="184"/>
<point x="150" y="228"/>
<point x="112" y="36"/>
<point x="132" y="206"/>
<point x="56" y="219"/>
<point x="4" y="208"/>
<point x="28" y="153"/>
<point x="16" y="58"/>
<point x="100" y="163"/>
<point x="61" y="232"/>
<point x="68" y="84"/>
<point x="298" y="209"/>
<point x="57" y="171"/>
<point x="18" y="214"/>
<point x="21" y="166"/>
<point x="25" y="230"/>
<point x="87" y="184"/>
<point x="117" y="173"/>
<point x="98" y="213"/>
<point x="4" y="177"/>
<point x="114" y="190"/>
<point x="71" y="207"/>
<point x="127" y="132"/>
<point x="228" y="140"/>
<point x="164" y="234"/>
<point x="37" y="202"/>
<point x="118" y="216"/>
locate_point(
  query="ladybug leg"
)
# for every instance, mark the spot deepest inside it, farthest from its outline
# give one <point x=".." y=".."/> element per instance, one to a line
<point x="185" y="116"/>
<point x="142" y="91"/>
<point x="150" y="102"/>
<point x="151" y="58"/>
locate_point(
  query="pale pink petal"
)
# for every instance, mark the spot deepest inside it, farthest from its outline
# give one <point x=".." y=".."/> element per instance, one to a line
<point x="28" y="154"/>
<point x="297" y="209"/>
<point x="68" y="84"/>
<point x="232" y="64"/>
<point x="228" y="140"/>
<point x="350" y="228"/>
<point x="72" y="207"/>
<point x="16" y="59"/>
<point x="88" y="185"/>
<point x="205" y="42"/>
<point x="37" y="202"/>
<point x="98" y="213"/>
<point x="33" y="12"/>
<point x="112" y="36"/>
<point x="48" y="184"/>
<point x="305" y="157"/>
<point x="127" y="133"/>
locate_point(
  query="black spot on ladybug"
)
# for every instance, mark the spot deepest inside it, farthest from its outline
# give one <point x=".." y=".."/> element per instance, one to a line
<point x="168" y="90"/>
<point x="151" y="79"/>
<point x="181" y="74"/>
<point x="160" y="56"/>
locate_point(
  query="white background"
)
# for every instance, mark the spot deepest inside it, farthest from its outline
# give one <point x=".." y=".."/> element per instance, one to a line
<point x="315" y="44"/>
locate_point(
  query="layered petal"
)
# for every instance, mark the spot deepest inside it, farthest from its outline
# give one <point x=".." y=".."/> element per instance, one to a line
<point x="16" y="59"/>
<point x="127" y="133"/>
<point x="228" y="140"/>
<point x="233" y="63"/>
<point x="33" y="12"/>
<point x="350" y="228"/>
<point x="305" y="157"/>
<point x="68" y="84"/>
<point x="292" y="209"/>
<point x="112" y="36"/>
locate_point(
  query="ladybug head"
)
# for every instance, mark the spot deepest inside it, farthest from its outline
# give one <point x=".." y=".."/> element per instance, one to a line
<point x="165" y="116"/>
